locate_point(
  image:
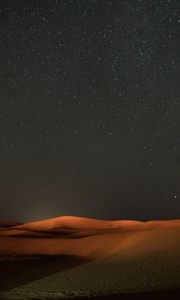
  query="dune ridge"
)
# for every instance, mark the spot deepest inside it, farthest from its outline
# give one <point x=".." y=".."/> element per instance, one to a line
<point x="75" y="222"/>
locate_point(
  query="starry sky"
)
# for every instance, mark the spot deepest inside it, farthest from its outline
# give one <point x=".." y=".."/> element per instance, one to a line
<point x="89" y="109"/>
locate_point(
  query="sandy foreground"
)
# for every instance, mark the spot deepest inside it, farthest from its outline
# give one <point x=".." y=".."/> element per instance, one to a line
<point x="70" y="257"/>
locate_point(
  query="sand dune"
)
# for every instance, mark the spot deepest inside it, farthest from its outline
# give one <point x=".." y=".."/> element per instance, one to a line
<point x="72" y="222"/>
<point x="87" y="237"/>
<point x="124" y="255"/>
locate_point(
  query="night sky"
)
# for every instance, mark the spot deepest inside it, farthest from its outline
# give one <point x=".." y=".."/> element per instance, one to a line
<point x="89" y="109"/>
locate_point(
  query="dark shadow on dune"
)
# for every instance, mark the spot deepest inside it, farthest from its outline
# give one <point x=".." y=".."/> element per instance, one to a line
<point x="64" y="233"/>
<point x="19" y="271"/>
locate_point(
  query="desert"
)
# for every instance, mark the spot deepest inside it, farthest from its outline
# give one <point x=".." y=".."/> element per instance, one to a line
<point x="75" y="257"/>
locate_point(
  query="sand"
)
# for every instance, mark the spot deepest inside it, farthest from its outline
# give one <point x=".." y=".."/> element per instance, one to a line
<point x="70" y="257"/>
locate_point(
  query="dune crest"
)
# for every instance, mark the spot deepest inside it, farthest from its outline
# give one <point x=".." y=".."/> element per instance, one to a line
<point x="75" y="222"/>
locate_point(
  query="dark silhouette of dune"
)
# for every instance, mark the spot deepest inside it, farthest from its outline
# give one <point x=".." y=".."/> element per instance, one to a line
<point x="6" y="224"/>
